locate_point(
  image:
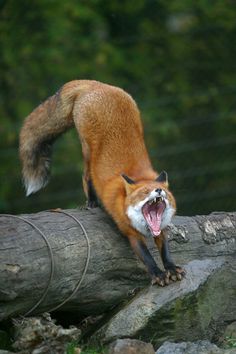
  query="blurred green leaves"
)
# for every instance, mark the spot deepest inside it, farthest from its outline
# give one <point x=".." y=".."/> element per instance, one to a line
<point x="176" y="58"/>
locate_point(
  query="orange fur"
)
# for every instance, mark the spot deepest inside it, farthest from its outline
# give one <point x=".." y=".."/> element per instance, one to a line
<point x="109" y="126"/>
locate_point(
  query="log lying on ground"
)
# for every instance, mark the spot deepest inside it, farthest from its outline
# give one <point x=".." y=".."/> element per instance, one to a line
<point x="113" y="272"/>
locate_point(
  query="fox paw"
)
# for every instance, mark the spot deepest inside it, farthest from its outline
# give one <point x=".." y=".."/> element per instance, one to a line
<point x="161" y="279"/>
<point x="91" y="204"/>
<point x="175" y="272"/>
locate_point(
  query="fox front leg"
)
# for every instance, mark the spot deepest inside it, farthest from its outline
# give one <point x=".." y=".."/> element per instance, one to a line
<point x="174" y="272"/>
<point x="139" y="246"/>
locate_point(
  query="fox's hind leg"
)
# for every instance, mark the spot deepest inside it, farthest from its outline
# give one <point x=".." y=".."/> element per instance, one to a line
<point x="92" y="200"/>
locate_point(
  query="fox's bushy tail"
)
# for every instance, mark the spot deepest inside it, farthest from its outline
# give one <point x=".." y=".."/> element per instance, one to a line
<point x="40" y="129"/>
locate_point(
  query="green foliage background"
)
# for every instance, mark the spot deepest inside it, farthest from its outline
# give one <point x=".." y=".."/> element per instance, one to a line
<point x="177" y="59"/>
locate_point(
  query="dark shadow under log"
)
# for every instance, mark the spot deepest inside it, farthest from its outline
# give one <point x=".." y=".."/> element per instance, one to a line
<point x="113" y="271"/>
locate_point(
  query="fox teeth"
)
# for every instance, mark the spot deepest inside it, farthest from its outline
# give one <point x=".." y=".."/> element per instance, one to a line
<point x="150" y="202"/>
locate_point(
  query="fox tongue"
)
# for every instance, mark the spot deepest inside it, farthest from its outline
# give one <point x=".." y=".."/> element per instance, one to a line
<point x="155" y="222"/>
<point x="153" y="214"/>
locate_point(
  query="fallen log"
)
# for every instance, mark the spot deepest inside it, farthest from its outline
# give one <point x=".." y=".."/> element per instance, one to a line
<point x="43" y="260"/>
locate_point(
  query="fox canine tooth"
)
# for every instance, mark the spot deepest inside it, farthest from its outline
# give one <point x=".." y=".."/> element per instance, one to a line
<point x="154" y="200"/>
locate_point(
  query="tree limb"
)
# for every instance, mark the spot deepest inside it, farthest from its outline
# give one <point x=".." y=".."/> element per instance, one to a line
<point x="113" y="270"/>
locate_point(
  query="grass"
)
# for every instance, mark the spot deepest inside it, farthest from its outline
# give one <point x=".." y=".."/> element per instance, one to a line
<point x="229" y="342"/>
<point x="85" y="349"/>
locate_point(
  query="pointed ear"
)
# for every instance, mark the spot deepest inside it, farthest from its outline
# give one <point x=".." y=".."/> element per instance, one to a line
<point x="127" y="179"/>
<point x="128" y="182"/>
<point x="162" y="178"/>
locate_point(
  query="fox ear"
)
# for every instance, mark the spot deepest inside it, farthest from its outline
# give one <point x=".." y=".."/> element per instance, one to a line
<point x="127" y="179"/>
<point x="162" y="178"/>
<point x="128" y="182"/>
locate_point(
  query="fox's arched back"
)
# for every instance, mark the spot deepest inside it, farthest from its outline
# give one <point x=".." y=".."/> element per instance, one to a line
<point x="117" y="168"/>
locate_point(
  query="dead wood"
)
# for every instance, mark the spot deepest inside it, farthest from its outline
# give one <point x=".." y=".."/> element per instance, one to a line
<point x="114" y="272"/>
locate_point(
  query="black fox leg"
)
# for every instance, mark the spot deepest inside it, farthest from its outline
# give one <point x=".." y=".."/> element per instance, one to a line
<point x="92" y="200"/>
<point x="92" y="196"/>
<point x="158" y="276"/>
<point x="175" y="272"/>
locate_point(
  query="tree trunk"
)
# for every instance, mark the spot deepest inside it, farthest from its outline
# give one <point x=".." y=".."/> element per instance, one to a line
<point x="44" y="265"/>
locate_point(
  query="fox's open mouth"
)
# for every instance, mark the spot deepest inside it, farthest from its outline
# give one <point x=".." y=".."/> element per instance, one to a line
<point x="152" y="212"/>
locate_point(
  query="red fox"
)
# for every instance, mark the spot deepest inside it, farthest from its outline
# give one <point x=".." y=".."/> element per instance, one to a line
<point x="117" y="168"/>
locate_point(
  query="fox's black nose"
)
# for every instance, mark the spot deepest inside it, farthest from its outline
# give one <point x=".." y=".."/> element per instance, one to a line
<point x="158" y="190"/>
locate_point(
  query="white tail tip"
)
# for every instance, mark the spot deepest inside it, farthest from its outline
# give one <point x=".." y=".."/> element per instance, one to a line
<point x="33" y="186"/>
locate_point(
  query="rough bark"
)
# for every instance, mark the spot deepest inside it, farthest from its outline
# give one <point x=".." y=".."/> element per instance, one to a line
<point x="113" y="272"/>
